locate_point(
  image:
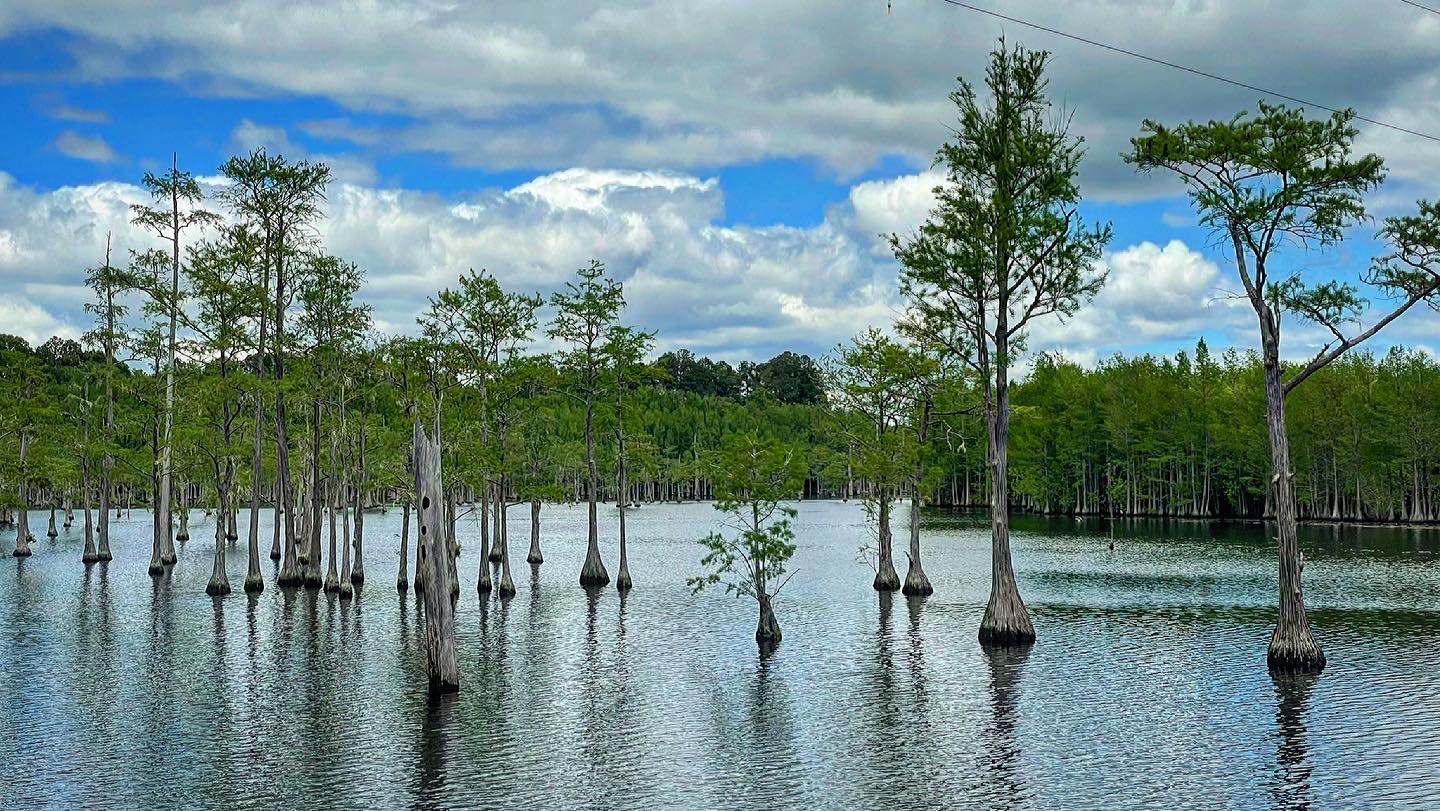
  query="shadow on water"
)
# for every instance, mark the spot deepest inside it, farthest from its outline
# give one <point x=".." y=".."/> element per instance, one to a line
<point x="1002" y="757"/>
<point x="435" y="733"/>
<point x="1291" y="787"/>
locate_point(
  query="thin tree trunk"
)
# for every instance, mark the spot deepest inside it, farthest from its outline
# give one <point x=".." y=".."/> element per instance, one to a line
<point x="1292" y="647"/>
<point x="535" y="558"/>
<point x="916" y="582"/>
<point x="357" y="569"/>
<point x="220" y="582"/>
<point x="402" y="581"/>
<point x="22" y="523"/>
<point x="593" y="572"/>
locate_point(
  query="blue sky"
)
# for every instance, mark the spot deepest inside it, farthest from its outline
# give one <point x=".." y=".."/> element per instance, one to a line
<point x="733" y="163"/>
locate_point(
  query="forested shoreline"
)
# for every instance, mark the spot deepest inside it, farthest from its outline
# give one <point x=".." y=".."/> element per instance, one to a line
<point x="1167" y="436"/>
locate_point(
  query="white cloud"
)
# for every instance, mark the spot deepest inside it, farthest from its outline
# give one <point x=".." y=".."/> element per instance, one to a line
<point x="736" y="292"/>
<point x="91" y="148"/>
<point x="684" y="83"/>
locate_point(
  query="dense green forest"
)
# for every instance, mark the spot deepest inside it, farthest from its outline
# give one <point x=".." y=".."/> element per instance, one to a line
<point x="1160" y="436"/>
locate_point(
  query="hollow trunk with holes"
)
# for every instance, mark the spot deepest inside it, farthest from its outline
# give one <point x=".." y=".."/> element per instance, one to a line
<point x="440" y="660"/>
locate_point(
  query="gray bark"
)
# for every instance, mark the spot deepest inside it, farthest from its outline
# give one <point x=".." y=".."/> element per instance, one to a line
<point x="439" y="644"/>
<point x="535" y="557"/>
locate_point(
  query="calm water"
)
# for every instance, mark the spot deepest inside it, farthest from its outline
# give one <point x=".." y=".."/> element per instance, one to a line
<point x="1147" y="689"/>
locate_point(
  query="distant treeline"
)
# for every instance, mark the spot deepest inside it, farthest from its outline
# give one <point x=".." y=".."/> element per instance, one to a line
<point x="1179" y="436"/>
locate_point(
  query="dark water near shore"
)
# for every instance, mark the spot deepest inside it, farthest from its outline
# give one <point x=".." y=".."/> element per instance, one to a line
<point x="1147" y="689"/>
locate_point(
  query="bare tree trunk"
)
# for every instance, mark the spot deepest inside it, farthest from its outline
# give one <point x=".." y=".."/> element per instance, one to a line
<point x="440" y="660"/>
<point x="484" y="584"/>
<point x="507" y="585"/>
<point x="622" y="501"/>
<point x="313" y="579"/>
<point x="885" y="577"/>
<point x="357" y="568"/>
<point x="182" y="532"/>
<point x="220" y="582"/>
<point x="50" y="530"/>
<point x="22" y="522"/>
<point x="535" y="557"/>
<point x="1292" y="647"/>
<point x="332" y="498"/>
<point x="593" y="572"/>
<point x="347" y="587"/>
<point x="1006" y="622"/>
<point x="767" y="630"/>
<point x="916" y="583"/>
<point x="402" y="581"/>
<point x="90" y="555"/>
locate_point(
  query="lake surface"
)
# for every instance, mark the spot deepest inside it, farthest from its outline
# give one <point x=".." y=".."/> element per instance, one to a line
<point x="1147" y="687"/>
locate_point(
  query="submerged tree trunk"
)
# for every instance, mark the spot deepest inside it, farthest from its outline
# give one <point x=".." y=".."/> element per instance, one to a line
<point x="767" y="630"/>
<point x="916" y="583"/>
<point x="506" y="588"/>
<point x="1292" y="647"/>
<point x="440" y="660"/>
<point x="622" y="501"/>
<point x="402" y="580"/>
<point x="346" y="587"/>
<point x="357" y="567"/>
<point x="220" y="582"/>
<point x="593" y="572"/>
<point x="535" y="557"/>
<point x="22" y="522"/>
<point x="484" y="583"/>
<point x="332" y="498"/>
<point x="51" y="531"/>
<point x="1006" y="622"/>
<point x="89" y="555"/>
<point x="885" y="577"/>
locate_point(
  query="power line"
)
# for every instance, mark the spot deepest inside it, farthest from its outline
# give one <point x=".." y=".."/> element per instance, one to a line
<point x="1422" y="8"/>
<point x="1195" y="71"/>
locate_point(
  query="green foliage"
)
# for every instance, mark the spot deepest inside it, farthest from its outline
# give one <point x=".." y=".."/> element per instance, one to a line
<point x="751" y="477"/>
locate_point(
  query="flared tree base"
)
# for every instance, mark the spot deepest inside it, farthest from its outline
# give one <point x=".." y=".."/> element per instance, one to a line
<point x="1294" y="652"/>
<point x="623" y="581"/>
<point x="156" y="568"/>
<point x="217" y="588"/>
<point x="534" y="558"/>
<point x="506" y="588"/>
<point x="274" y="555"/>
<point x="441" y="686"/>
<point x="345" y="590"/>
<point x="332" y="584"/>
<point x="886" y="579"/>
<point x="52" y="534"/>
<point x="357" y="577"/>
<point x="484" y="585"/>
<point x="290" y="576"/>
<point x="182" y="537"/>
<point x="169" y="558"/>
<point x="593" y="573"/>
<point x="402" y="585"/>
<point x="494" y="556"/>
<point x="767" y="630"/>
<point x="916" y="583"/>
<point x="254" y="584"/>
<point x="21" y="552"/>
<point x="103" y="555"/>
<point x="90" y="557"/>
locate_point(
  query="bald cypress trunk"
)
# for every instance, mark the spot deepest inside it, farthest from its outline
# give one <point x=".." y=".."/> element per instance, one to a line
<point x="402" y="580"/>
<point x="1006" y="621"/>
<point x="440" y="661"/>
<point x="22" y="519"/>
<point x="1292" y="647"/>
<point x="535" y="557"/>
<point x="357" y="568"/>
<point x="315" y="559"/>
<point x="916" y="582"/>
<point x="593" y="572"/>
<point x="89" y="555"/>
<point x="484" y="583"/>
<point x="346" y="586"/>
<point x="885" y="577"/>
<point x="219" y="581"/>
<point x="50" y="530"/>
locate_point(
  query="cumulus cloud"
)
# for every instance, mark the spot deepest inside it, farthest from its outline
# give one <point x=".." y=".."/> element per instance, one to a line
<point x="684" y="83"/>
<point x="91" y="148"/>
<point x="736" y="292"/>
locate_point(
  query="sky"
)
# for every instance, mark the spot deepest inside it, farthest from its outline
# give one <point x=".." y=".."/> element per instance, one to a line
<point x="734" y="163"/>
